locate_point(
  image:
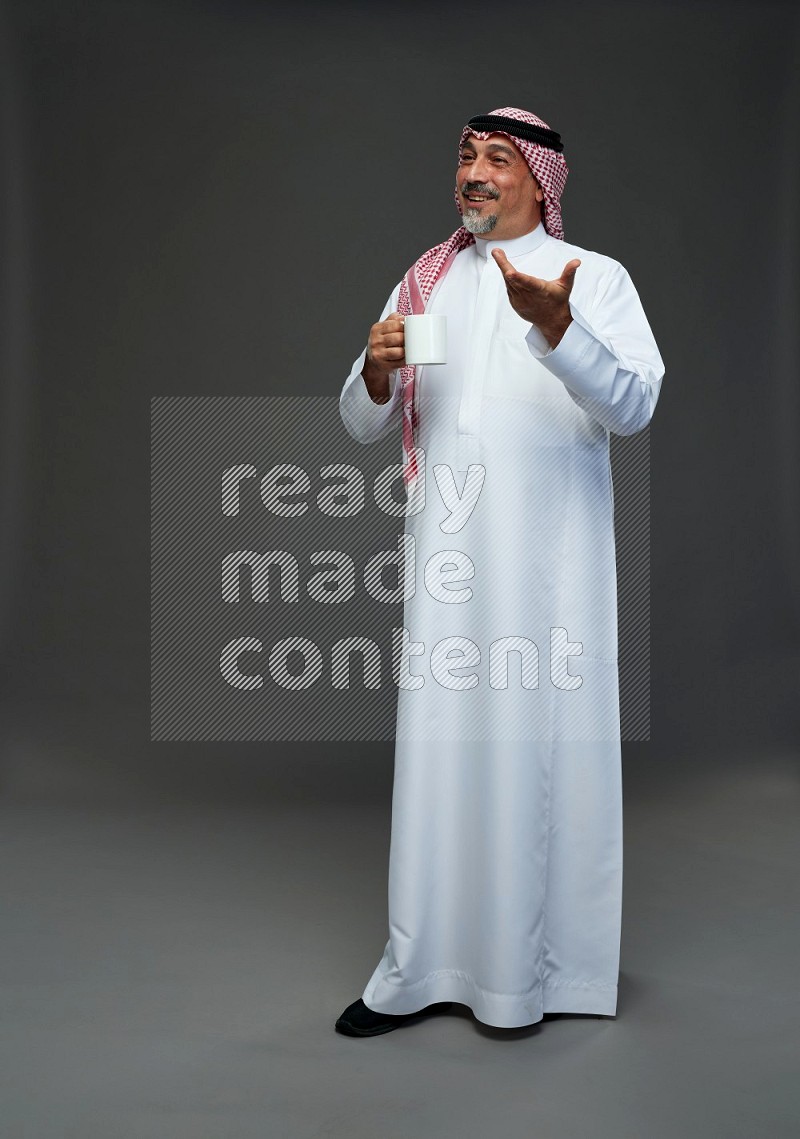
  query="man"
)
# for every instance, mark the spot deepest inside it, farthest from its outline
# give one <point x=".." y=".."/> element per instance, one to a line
<point x="505" y="871"/>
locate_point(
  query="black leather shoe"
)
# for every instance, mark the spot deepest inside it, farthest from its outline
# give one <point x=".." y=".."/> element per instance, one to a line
<point x="358" y="1020"/>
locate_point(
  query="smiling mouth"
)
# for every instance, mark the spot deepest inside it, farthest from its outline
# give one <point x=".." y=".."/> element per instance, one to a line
<point x="478" y="199"/>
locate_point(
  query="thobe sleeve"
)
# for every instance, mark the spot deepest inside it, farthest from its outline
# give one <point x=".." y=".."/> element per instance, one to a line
<point x="607" y="359"/>
<point x="364" y="419"/>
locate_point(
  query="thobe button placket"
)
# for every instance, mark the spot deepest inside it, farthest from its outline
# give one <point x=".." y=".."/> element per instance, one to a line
<point x="469" y="410"/>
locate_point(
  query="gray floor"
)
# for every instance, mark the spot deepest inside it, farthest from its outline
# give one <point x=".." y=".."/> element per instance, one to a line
<point x="183" y="924"/>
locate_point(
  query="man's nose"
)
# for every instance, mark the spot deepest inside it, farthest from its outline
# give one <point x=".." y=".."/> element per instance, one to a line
<point x="480" y="171"/>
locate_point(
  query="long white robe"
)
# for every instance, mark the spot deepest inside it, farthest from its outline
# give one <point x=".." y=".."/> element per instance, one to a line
<point x="505" y="870"/>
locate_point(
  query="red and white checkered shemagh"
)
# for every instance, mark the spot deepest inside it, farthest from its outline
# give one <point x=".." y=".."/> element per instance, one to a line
<point x="550" y="170"/>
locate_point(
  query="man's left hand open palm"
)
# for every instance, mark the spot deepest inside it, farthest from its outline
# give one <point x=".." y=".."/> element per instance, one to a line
<point x="543" y="303"/>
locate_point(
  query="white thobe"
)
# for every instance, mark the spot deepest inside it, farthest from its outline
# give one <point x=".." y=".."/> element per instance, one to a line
<point x="505" y="867"/>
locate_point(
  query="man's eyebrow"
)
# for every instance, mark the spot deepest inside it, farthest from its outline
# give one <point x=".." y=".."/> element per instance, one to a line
<point x="499" y="146"/>
<point x="493" y="146"/>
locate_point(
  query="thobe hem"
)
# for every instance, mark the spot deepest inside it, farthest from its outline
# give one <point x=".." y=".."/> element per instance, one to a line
<point x="498" y="1010"/>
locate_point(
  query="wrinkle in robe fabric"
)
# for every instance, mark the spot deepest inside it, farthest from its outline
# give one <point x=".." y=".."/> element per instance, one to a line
<point x="505" y="865"/>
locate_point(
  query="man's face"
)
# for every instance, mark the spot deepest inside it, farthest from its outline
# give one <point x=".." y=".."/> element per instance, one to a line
<point x="497" y="172"/>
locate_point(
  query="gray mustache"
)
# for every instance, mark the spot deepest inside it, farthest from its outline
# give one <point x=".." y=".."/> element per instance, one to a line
<point x="479" y="188"/>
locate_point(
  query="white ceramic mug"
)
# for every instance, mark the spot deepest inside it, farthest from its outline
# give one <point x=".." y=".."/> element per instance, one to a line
<point x="426" y="338"/>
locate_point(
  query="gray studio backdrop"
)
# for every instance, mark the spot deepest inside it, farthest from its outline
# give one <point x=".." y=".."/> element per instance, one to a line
<point x="211" y="199"/>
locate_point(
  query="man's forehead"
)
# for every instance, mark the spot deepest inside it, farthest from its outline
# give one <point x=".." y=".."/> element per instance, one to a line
<point x="492" y="143"/>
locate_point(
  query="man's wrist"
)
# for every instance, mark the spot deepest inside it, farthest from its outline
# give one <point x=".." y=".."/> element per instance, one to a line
<point x="553" y="331"/>
<point x="378" y="399"/>
<point x="377" y="383"/>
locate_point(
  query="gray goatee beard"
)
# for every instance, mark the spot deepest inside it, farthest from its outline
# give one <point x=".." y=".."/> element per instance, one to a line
<point x="478" y="223"/>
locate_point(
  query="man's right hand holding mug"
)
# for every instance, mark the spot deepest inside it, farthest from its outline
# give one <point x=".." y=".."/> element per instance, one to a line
<point x="385" y="353"/>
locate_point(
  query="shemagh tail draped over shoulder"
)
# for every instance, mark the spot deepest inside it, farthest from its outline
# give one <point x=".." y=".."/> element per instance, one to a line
<point x="550" y="169"/>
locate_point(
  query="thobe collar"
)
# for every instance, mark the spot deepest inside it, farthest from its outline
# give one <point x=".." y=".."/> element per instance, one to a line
<point x="513" y="246"/>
